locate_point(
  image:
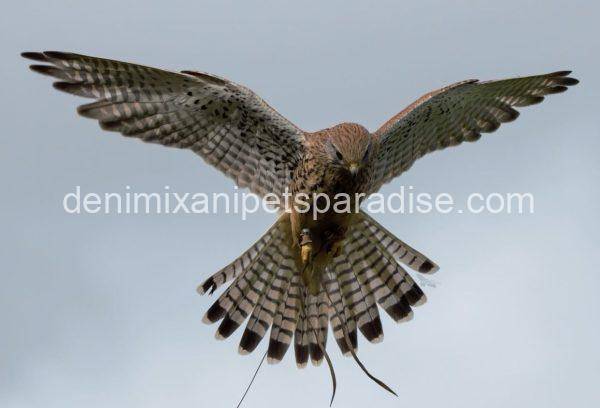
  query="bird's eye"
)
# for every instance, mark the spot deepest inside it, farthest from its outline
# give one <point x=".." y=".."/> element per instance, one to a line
<point x="338" y="155"/>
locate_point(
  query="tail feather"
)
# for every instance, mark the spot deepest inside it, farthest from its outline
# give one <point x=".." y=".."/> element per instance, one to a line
<point x="313" y="323"/>
<point x="240" y="286"/>
<point x="318" y="314"/>
<point x="340" y="313"/>
<point x="267" y="305"/>
<point x="229" y="298"/>
<point x="399" y="249"/>
<point x="323" y="329"/>
<point x="249" y="294"/>
<point x="284" y="323"/>
<point x="240" y="264"/>
<point x="267" y="288"/>
<point x="372" y="274"/>
<point x="393" y="287"/>
<point x="301" y="336"/>
<point x="395" y="276"/>
<point x="374" y="330"/>
<point x="360" y="301"/>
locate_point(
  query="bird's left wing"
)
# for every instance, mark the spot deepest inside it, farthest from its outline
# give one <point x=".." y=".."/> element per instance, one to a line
<point x="456" y="113"/>
<point x="227" y="124"/>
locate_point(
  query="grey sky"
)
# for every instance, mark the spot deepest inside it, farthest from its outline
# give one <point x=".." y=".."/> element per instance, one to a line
<point x="101" y="310"/>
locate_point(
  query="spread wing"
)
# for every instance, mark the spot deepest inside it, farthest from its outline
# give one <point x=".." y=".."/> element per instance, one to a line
<point x="228" y="125"/>
<point x="456" y="113"/>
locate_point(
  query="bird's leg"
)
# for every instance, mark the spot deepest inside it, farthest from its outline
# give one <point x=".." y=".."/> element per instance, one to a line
<point x="306" y="254"/>
<point x="306" y="245"/>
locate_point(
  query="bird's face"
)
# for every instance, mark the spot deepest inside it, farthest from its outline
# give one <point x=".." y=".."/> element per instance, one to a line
<point x="350" y="151"/>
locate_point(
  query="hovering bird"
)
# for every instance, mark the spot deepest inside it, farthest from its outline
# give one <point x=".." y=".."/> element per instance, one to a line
<point x="304" y="271"/>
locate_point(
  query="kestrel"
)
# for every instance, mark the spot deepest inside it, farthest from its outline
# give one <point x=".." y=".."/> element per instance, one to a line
<point x="304" y="271"/>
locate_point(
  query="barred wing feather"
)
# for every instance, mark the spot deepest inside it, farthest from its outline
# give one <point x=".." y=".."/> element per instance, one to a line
<point x="228" y="125"/>
<point x="455" y="114"/>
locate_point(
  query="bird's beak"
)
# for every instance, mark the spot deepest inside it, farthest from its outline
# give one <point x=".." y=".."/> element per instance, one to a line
<point x="353" y="167"/>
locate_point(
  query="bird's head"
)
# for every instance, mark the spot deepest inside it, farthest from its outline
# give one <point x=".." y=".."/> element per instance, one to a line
<point x="349" y="147"/>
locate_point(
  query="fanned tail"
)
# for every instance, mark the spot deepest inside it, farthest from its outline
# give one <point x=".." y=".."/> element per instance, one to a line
<point x="368" y="273"/>
<point x="267" y="290"/>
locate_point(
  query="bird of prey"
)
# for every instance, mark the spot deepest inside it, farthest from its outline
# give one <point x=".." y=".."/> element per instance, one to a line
<point x="304" y="272"/>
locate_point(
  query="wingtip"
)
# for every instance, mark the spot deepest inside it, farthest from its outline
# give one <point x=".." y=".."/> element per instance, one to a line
<point x="563" y="78"/>
<point x="569" y="81"/>
<point x="59" y="55"/>
<point x="562" y="73"/>
<point x="48" y="70"/>
<point x="67" y="87"/>
<point x="33" y="55"/>
<point x="46" y="55"/>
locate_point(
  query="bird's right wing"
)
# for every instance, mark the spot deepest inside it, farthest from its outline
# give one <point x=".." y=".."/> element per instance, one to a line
<point x="227" y="124"/>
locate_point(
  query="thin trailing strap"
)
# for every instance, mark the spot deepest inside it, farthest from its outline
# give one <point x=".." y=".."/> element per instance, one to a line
<point x="252" y="380"/>
<point x="349" y="344"/>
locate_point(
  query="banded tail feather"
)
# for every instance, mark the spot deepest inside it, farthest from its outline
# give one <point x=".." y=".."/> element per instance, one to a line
<point x="340" y="314"/>
<point x="266" y="289"/>
<point x="376" y="273"/>
<point x="268" y="304"/>
<point x="248" y="295"/>
<point x="240" y="264"/>
<point x="398" y="249"/>
<point x="360" y="299"/>
<point x="318" y="315"/>
<point x="284" y="322"/>
<point x="301" y="334"/>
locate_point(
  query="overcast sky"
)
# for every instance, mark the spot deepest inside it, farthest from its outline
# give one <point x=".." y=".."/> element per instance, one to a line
<point x="101" y="310"/>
